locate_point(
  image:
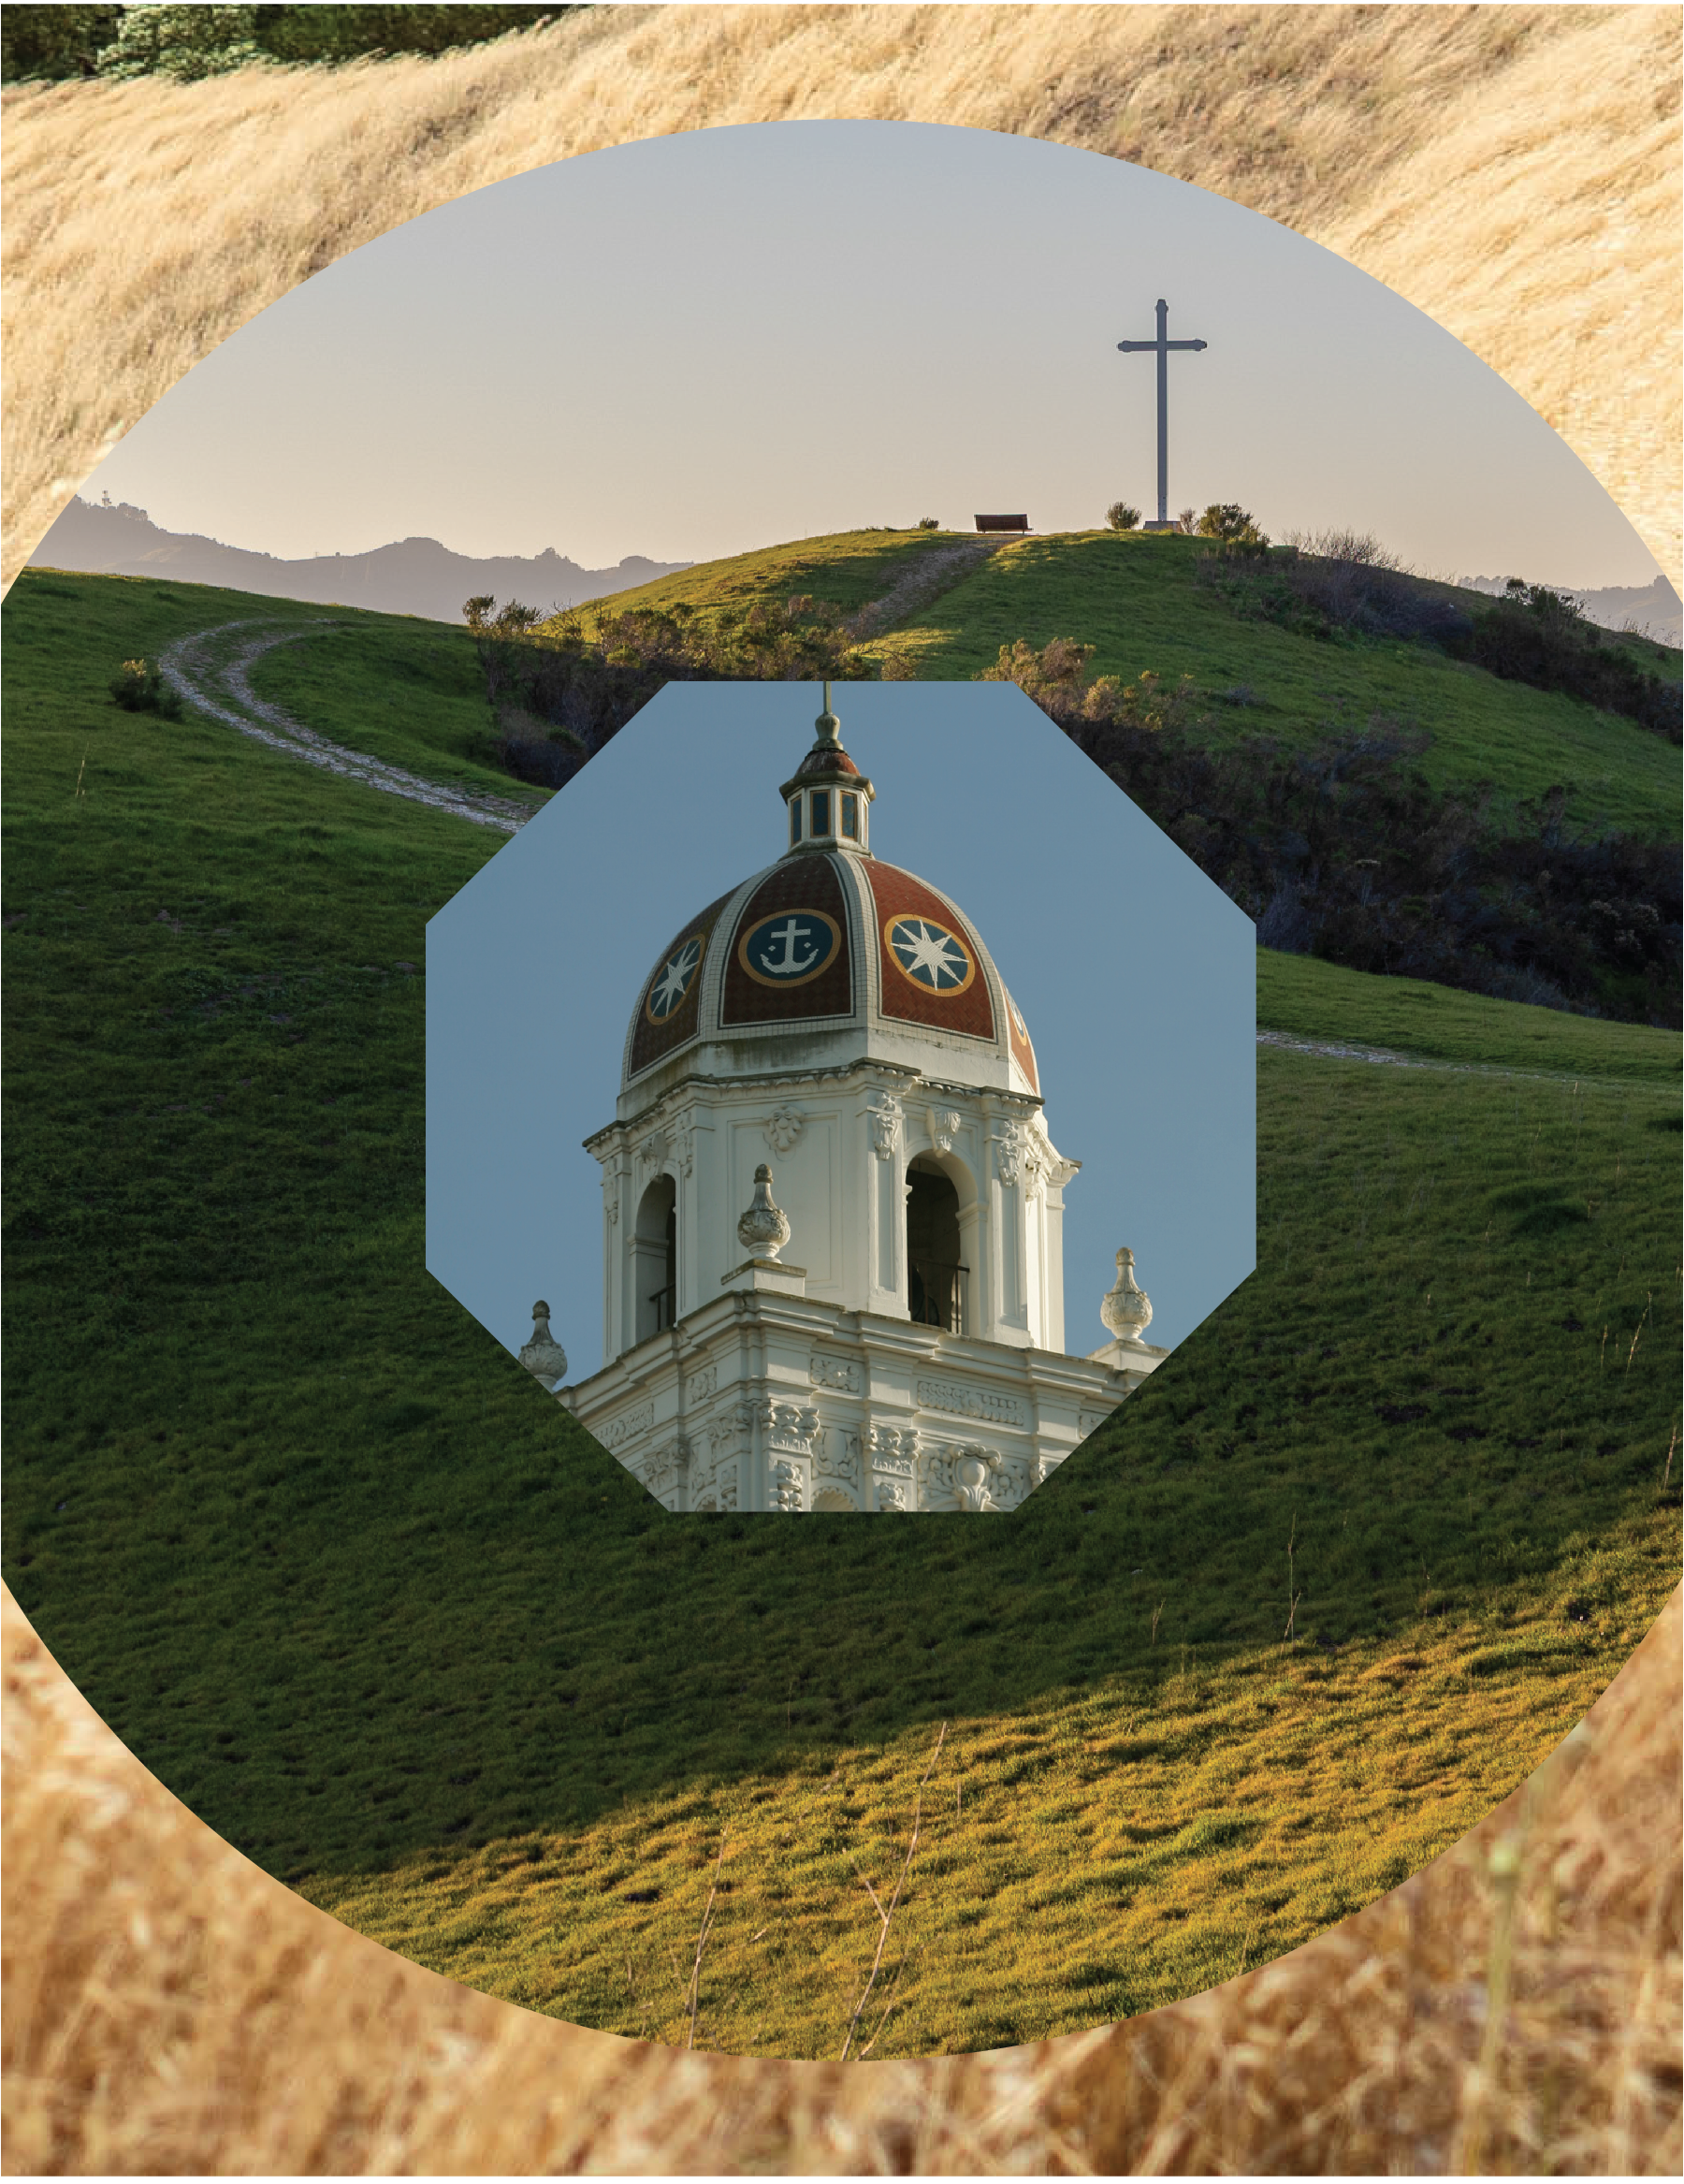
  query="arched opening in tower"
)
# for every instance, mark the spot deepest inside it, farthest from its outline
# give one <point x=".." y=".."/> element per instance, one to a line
<point x="657" y="1257"/>
<point x="934" y="1278"/>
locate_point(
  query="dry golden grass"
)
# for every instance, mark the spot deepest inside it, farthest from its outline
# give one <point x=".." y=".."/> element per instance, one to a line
<point x="167" y="2007"/>
<point x="1512" y="170"/>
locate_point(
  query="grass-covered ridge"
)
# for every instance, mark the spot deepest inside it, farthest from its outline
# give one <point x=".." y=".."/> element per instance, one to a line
<point x="1136" y="599"/>
<point x="316" y="1548"/>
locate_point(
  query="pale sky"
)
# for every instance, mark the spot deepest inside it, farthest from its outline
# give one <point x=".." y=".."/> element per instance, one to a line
<point x="1135" y="974"/>
<point x="703" y="344"/>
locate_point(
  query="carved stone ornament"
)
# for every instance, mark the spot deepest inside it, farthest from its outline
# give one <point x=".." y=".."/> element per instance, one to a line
<point x="544" y="1357"/>
<point x="784" y="1128"/>
<point x="1127" y="1309"/>
<point x="891" y="1497"/>
<point x="833" y="1372"/>
<point x="786" y="1488"/>
<point x="885" y="1112"/>
<point x="764" y="1228"/>
<point x="945" y="1126"/>
<point x="652" y="1153"/>
<point x="789" y="1425"/>
<point x="685" y="1147"/>
<point x="1009" y="1151"/>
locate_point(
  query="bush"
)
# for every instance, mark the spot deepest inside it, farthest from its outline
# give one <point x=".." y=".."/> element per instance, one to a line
<point x="345" y="33"/>
<point x="928" y="523"/>
<point x="1228" y="521"/>
<point x="185" y="43"/>
<point x="1346" y="852"/>
<point x="1534" y="635"/>
<point x="139" y="688"/>
<point x="52" y="44"/>
<point x="1121" y="517"/>
<point x="1327" y="581"/>
<point x="575" y="685"/>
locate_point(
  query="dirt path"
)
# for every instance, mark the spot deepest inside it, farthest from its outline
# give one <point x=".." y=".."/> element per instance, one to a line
<point x="1342" y="1051"/>
<point x="211" y="671"/>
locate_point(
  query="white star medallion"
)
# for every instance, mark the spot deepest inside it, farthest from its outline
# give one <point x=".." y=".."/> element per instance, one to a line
<point x="673" y="980"/>
<point x="930" y="954"/>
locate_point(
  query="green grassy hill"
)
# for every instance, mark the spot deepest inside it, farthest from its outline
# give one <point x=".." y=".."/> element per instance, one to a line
<point x="1133" y="598"/>
<point x="1340" y="1576"/>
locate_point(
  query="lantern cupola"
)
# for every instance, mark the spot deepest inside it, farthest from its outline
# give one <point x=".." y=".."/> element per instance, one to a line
<point x="828" y="799"/>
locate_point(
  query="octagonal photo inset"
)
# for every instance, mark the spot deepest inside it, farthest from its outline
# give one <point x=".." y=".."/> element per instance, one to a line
<point x="839" y="1087"/>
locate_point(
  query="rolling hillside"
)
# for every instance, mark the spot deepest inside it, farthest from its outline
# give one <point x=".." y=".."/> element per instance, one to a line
<point x="1135" y="599"/>
<point x="1359" y="1555"/>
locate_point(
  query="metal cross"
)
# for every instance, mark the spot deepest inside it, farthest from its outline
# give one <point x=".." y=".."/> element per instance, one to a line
<point x="1163" y="346"/>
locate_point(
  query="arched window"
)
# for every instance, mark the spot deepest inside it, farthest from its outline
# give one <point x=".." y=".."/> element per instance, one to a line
<point x="657" y="1257"/>
<point x="936" y="1278"/>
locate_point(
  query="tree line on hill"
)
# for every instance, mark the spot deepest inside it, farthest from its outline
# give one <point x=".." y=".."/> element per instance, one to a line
<point x="62" y="42"/>
<point x="1343" y="850"/>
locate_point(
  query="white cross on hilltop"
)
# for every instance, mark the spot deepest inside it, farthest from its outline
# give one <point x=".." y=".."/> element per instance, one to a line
<point x="1163" y="346"/>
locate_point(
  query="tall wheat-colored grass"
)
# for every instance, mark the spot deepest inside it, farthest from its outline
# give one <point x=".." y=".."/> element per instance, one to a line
<point x="1511" y="171"/>
<point x="170" y="2008"/>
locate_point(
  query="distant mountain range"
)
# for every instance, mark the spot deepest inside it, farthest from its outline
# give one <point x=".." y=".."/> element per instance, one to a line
<point x="414" y="576"/>
<point x="1655" y="609"/>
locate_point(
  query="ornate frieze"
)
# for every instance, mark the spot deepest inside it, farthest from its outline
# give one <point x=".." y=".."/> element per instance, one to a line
<point x="627" y="1425"/>
<point x="700" y="1386"/>
<point x="961" y="1402"/>
<point x="833" y="1372"/>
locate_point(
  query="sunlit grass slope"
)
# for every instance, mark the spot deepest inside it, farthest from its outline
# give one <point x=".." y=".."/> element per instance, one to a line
<point x="1135" y="599"/>
<point x="1325" y="1002"/>
<point x="347" y="1581"/>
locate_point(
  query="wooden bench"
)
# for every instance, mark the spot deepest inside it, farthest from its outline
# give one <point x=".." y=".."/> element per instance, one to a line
<point x="1002" y="523"/>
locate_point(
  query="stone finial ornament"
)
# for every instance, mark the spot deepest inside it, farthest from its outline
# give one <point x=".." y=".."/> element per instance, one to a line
<point x="764" y="1228"/>
<point x="544" y="1357"/>
<point x="1127" y="1309"/>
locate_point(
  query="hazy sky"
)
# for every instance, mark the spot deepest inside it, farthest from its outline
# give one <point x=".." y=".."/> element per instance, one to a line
<point x="1135" y="974"/>
<point x="707" y="343"/>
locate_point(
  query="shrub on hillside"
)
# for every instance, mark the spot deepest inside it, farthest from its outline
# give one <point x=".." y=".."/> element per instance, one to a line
<point x="1122" y="515"/>
<point x="139" y="688"/>
<point x="583" y="681"/>
<point x="1319" y="584"/>
<point x="1534" y="635"/>
<point x="1346" y="852"/>
<point x="929" y="523"/>
<point x="1229" y="522"/>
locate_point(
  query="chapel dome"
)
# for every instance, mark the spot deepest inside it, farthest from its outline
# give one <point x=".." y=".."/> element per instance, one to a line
<point x="828" y="957"/>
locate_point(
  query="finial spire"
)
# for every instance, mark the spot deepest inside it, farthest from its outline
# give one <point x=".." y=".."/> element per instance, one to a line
<point x="829" y="727"/>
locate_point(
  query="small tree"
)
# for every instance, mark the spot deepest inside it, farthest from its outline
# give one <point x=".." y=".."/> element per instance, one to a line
<point x="1121" y="517"/>
<point x="929" y="523"/>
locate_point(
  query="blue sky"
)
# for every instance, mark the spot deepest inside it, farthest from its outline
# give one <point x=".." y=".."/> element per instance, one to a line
<point x="712" y="341"/>
<point x="1135" y="974"/>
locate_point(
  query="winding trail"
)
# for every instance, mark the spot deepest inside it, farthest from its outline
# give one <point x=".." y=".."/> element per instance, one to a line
<point x="211" y="671"/>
